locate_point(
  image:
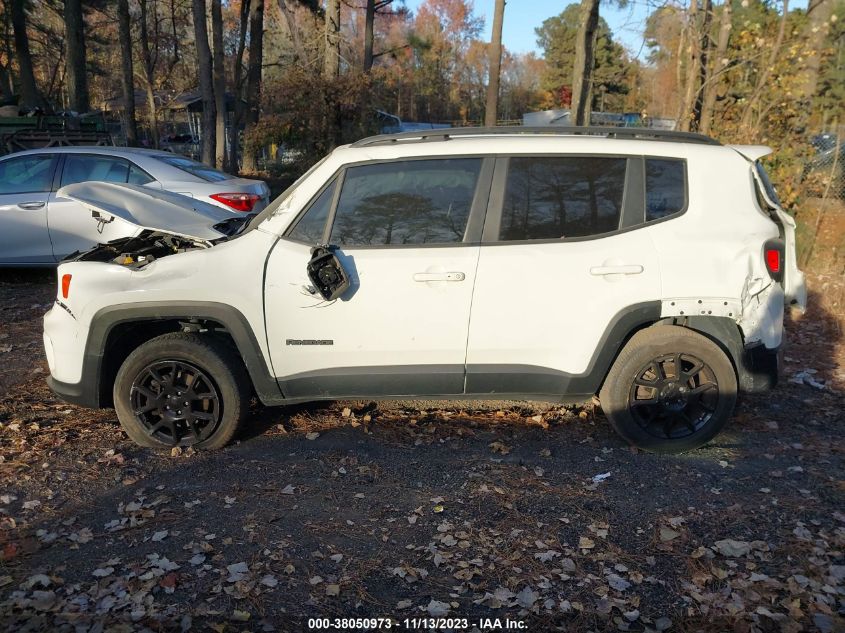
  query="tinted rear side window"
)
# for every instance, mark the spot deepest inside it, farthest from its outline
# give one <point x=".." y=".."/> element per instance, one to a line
<point x="560" y="197"/>
<point x="406" y="202"/>
<point x="665" y="188"/>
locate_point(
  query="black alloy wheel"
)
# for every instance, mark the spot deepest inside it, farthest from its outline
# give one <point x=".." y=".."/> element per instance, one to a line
<point x="674" y="396"/>
<point x="670" y="390"/>
<point x="176" y="402"/>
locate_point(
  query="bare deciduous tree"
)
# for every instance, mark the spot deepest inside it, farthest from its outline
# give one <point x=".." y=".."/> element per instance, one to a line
<point x="718" y="63"/>
<point x="492" y="110"/>
<point x="237" y="81"/>
<point x="697" y="39"/>
<point x="149" y="64"/>
<point x="331" y="63"/>
<point x="369" y="34"/>
<point x="75" y="56"/>
<point x="127" y="76"/>
<point x="30" y="96"/>
<point x="206" y="81"/>
<point x="582" y="75"/>
<point x="296" y="39"/>
<point x="704" y="45"/>
<point x="219" y="84"/>
<point x="763" y="75"/>
<point x="253" y="77"/>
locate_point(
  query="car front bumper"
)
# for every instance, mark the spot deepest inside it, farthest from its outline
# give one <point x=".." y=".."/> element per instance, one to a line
<point x="74" y="393"/>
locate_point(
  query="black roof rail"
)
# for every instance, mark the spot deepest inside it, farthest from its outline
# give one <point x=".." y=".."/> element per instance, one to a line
<point x="444" y="134"/>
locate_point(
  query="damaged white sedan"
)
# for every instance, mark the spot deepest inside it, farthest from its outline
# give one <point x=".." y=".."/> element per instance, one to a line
<point x="650" y="268"/>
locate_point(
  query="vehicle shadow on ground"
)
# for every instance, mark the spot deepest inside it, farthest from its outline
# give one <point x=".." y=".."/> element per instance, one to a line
<point x="27" y="275"/>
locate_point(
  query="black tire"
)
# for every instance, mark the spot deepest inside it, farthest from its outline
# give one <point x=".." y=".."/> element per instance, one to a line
<point x="679" y="412"/>
<point x="208" y="376"/>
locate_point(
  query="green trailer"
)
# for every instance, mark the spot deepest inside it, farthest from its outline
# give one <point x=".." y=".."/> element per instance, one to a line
<point x="22" y="132"/>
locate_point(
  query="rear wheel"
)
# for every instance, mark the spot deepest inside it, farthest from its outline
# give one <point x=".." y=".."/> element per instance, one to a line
<point x="670" y="390"/>
<point x="181" y="390"/>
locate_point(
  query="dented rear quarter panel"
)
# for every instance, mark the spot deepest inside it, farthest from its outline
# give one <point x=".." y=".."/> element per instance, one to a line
<point x="711" y="257"/>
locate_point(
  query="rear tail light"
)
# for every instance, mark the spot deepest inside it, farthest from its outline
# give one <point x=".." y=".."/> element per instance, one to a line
<point x="773" y="253"/>
<point x="243" y="202"/>
<point x="66" y="285"/>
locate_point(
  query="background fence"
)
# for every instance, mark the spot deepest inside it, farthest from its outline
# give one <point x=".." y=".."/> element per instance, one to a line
<point x="824" y="169"/>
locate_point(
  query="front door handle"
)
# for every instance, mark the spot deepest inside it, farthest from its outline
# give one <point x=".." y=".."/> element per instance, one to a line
<point x="632" y="269"/>
<point x="454" y="276"/>
<point x="31" y="206"/>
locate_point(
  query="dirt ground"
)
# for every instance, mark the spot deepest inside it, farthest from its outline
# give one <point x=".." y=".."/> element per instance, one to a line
<point x="534" y="515"/>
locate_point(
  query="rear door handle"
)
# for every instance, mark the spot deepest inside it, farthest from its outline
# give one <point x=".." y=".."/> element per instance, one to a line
<point x="31" y="206"/>
<point x="632" y="269"/>
<point x="454" y="276"/>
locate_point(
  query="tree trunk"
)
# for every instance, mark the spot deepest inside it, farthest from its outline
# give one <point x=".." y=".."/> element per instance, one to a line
<point x="149" y="74"/>
<point x="582" y="75"/>
<point x="206" y="82"/>
<point x="692" y="70"/>
<point x="717" y="65"/>
<point x="30" y="97"/>
<point x="238" y="115"/>
<point x="369" y="25"/>
<point x="703" y="53"/>
<point x="331" y="62"/>
<point x="7" y="90"/>
<point x="331" y="70"/>
<point x="76" y="79"/>
<point x="219" y="84"/>
<point x="815" y="39"/>
<point x="127" y="75"/>
<point x="746" y="123"/>
<point x="495" y="65"/>
<point x="298" y="48"/>
<point x="253" y="78"/>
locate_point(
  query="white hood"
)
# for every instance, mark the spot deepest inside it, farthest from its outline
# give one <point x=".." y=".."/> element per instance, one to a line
<point x="120" y="210"/>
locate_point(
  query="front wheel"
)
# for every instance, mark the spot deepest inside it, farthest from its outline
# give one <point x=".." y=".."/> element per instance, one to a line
<point x="181" y="389"/>
<point x="670" y="390"/>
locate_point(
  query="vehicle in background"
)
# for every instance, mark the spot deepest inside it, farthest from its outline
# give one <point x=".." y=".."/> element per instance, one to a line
<point x="38" y="226"/>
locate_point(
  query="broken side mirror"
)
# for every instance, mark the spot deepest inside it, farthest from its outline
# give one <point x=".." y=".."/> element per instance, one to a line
<point x="326" y="273"/>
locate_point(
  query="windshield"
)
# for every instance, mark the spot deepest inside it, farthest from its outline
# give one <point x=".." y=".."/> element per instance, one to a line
<point x="200" y="170"/>
<point x="273" y="206"/>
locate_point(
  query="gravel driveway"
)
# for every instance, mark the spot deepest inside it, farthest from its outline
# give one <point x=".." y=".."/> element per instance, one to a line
<point x="538" y="516"/>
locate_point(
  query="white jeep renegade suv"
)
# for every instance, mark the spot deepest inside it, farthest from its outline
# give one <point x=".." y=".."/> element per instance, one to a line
<point x="509" y="263"/>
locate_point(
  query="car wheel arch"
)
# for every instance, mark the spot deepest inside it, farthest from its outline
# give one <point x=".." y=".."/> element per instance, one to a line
<point x="117" y="330"/>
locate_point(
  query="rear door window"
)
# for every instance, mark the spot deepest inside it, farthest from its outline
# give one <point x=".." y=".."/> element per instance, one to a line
<point x="665" y="188"/>
<point x="549" y="198"/>
<point x="90" y="167"/>
<point x="406" y="202"/>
